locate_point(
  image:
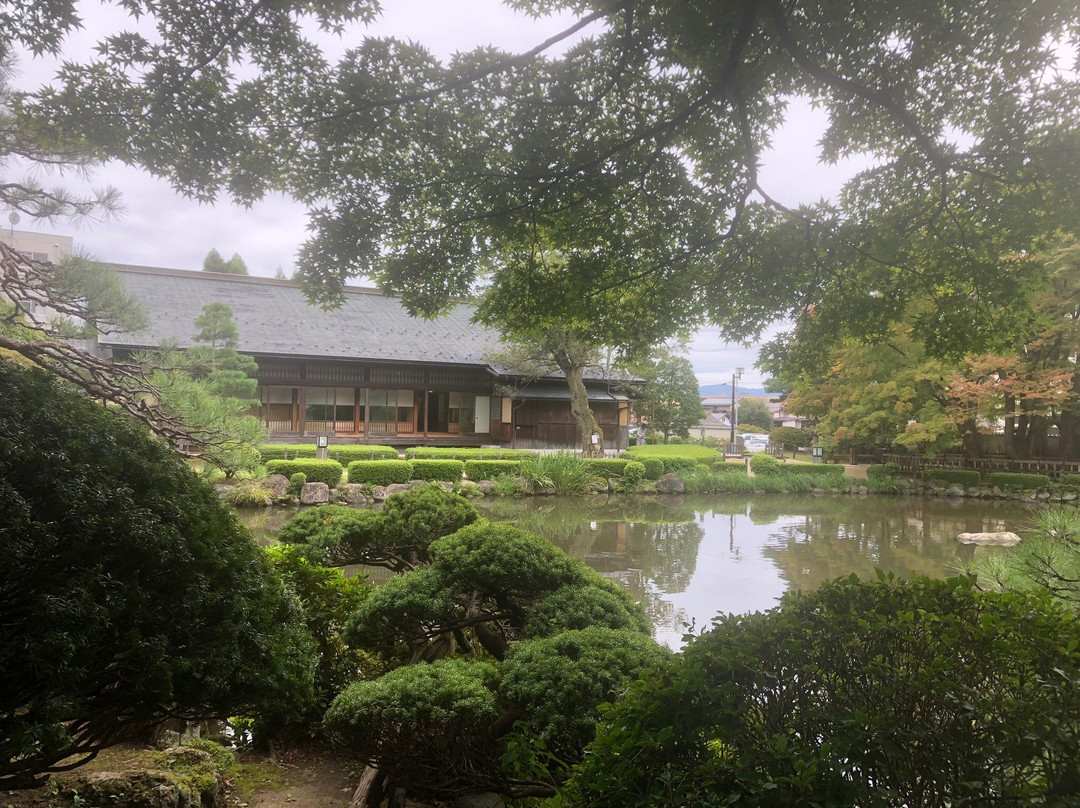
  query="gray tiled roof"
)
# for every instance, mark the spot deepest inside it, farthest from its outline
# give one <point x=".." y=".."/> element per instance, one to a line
<point x="273" y="317"/>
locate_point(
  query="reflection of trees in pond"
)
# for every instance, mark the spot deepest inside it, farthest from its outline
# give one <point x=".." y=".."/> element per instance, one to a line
<point x="667" y="621"/>
<point x="264" y="523"/>
<point x="834" y="537"/>
<point x="667" y="553"/>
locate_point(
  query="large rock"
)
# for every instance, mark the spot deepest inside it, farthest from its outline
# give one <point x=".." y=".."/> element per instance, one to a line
<point x="354" y="494"/>
<point x="187" y="779"/>
<point x="314" y="494"/>
<point x="277" y="483"/>
<point x="398" y="488"/>
<point x="954" y="491"/>
<point x="487" y="487"/>
<point x="1001" y="539"/>
<point x="670" y="485"/>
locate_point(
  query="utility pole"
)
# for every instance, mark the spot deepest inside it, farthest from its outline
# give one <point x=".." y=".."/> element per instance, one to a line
<point x="734" y="416"/>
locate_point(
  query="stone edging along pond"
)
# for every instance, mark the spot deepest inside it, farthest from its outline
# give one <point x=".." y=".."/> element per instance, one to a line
<point x="275" y="490"/>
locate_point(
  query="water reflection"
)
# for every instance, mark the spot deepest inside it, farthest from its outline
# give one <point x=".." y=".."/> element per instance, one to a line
<point x="687" y="559"/>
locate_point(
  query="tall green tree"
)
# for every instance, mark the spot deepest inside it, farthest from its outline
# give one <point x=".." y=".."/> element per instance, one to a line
<point x="671" y="401"/>
<point x="215" y="263"/>
<point x="754" y="412"/>
<point x="130" y="594"/>
<point x="640" y="145"/>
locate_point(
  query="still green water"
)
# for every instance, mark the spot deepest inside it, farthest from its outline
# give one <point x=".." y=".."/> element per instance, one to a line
<point x="690" y="558"/>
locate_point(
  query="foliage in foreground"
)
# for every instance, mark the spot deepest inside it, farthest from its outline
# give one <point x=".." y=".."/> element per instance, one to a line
<point x="886" y="693"/>
<point x="129" y="592"/>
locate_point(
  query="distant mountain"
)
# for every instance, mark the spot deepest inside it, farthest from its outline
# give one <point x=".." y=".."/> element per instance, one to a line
<point x="725" y="390"/>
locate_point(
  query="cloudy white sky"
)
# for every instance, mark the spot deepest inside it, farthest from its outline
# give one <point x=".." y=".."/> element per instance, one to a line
<point x="159" y="228"/>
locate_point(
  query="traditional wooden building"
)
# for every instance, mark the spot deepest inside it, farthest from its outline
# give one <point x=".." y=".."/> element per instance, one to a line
<point x="367" y="372"/>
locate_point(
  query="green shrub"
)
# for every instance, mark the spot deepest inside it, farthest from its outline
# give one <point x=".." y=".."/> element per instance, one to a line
<point x="853" y="695"/>
<point x="633" y="473"/>
<point x="296" y="484"/>
<point x="430" y="453"/>
<point x="380" y="472"/>
<point x="676" y="457"/>
<point x="130" y="593"/>
<point x="413" y="519"/>
<point x="1070" y="480"/>
<point x="489" y="469"/>
<point x="1015" y="480"/>
<point x="343" y="453"/>
<point x="439" y="470"/>
<point x="428" y="725"/>
<point x="606" y="467"/>
<point x="718" y="480"/>
<point x="654" y="468"/>
<point x="556" y="683"/>
<point x="317" y="471"/>
<point x="764" y="465"/>
<point x="333" y="534"/>
<point x="881" y="471"/>
<point x="952" y="476"/>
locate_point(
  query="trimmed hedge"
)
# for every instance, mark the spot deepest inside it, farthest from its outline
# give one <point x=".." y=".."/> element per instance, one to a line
<point x="952" y="476"/>
<point x="764" y="465"/>
<point x="1071" y="480"/>
<point x="317" y="471"/>
<point x="812" y="469"/>
<point x="428" y="453"/>
<point x="380" y="472"/>
<point x="489" y="469"/>
<point x="607" y="467"/>
<point x="437" y="470"/>
<point x="344" y="454"/>
<point x="1024" y="482"/>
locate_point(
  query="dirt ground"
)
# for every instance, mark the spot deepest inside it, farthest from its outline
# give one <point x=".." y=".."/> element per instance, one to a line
<point x="296" y="779"/>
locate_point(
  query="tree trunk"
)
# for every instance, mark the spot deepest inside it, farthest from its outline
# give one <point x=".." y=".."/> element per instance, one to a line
<point x="1038" y="442"/>
<point x="1010" y="427"/>
<point x="579" y="408"/>
<point x="972" y="439"/>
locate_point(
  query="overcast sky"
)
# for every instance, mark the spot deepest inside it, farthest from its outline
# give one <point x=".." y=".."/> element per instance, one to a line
<point x="158" y="228"/>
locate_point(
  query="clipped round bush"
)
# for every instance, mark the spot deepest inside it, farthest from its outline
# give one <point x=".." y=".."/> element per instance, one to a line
<point x="557" y="682"/>
<point x="764" y="465"/>
<point x="633" y="473"/>
<point x="296" y="484"/>
<point x="856" y="694"/>
<point x="129" y="592"/>
<point x="333" y="534"/>
<point x="426" y="725"/>
<point x="413" y="519"/>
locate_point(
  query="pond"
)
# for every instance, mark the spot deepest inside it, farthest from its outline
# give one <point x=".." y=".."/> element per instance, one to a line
<point x="690" y="558"/>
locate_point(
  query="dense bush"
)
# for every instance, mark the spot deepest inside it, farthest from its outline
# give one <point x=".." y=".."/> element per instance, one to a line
<point x="881" y="471"/>
<point x="297" y="482"/>
<point x="556" y="682"/>
<point x="380" y="472"/>
<point x="952" y="476"/>
<point x="676" y="458"/>
<point x="764" y="466"/>
<point x="129" y="592"/>
<point x="317" y="471"/>
<point x="335" y="535"/>
<point x="431" y="453"/>
<point x="343" y="453"/>
<point x="489" y="469"/>
<point x="856" y="694"/>
<point x="633" y="473"/>
<point x="788" y="437"/>
<point x="412" y="520"/>
<point x="1071" y="480"/>
<point x="654" y="468"/>
<point x="427" y="725"/>
<point x="1015" y="480"/>
<point x="437" y="470"/>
